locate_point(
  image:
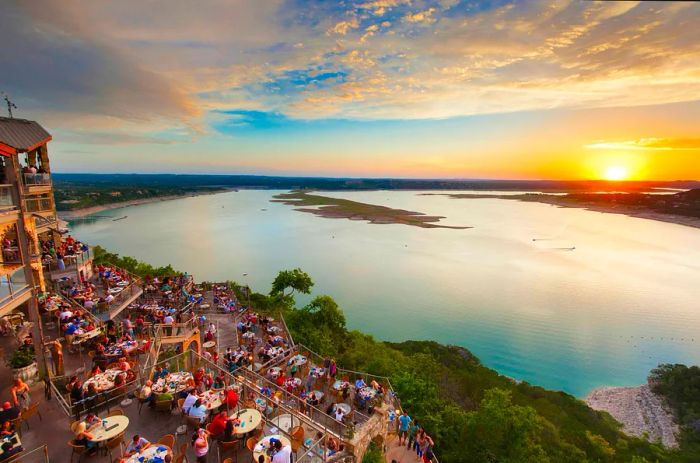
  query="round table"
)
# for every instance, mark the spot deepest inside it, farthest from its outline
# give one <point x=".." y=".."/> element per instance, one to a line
<point x="115" y="425"/>
<point x="297" y="360"/>
<point x="367" y="393"/>
<point x="250" y="420"/>
<point x="264" y="444"/>
<point x="338" y="384"/>
<point x="152" y="451"/>
<point x="317" y="372"/>
<point x="285" y="422"/>
<point x="344" y="407"/>
<point x="211" y="399"/>
<point x="103" y="381"/>
<point x="209" y="344"/>
<point x="274" y="372"/>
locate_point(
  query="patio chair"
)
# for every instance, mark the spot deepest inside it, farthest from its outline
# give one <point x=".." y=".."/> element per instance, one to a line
<point x="29" y="412"/>
<point x="233" y="445"/>
<point x="113" y="443"/>
<point x="164" y="405"/>
<point x="250" y="443"/>
<point x="116" y="412"/>
<point x="79" y="450"/>
<point x="168" y="440"/>
<point x="228" y="460"/>
<point x="182" y="454"/>
<point x="17" y="423"/>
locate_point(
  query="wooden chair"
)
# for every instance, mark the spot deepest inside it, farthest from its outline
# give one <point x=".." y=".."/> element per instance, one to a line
<point x="17" y="423"/>
<point x="113" y="443"/>
<point x="228" y="460"/>
<point x="163" y="405"/>
<point x="116" y="412"/>
<point x="180" y="403"/>
<point x="168" y="440"/>
<point x="79" y="450"/>
<point x="142" y="401"/>
<point x="297" y="438"/>
<point x="250" y="443"/>
<point x="29" y="412"/>
<point x="182" y="455"/>
<point x="231" y="445"/>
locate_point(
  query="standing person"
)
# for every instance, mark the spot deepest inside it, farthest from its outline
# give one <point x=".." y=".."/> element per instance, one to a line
<point x="20" y="394"/>
<point x="332" y="371"/>
<point x="412" y="430"/>
<point x="404" y="423"/>
<point x="420" y="442"/>
<point x="428" y="451"/>
<point x="200" y="442"/>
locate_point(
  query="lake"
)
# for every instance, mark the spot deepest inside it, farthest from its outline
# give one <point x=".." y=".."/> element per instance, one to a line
<point x="624" y="300"/>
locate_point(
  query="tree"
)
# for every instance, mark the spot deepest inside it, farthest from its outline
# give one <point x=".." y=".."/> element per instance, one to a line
<point x="293" y="280"/>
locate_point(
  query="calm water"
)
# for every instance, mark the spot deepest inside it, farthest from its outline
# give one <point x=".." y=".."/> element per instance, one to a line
<point x="605" y="313"/>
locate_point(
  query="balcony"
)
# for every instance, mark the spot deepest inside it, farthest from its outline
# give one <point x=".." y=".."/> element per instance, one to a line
<point x="73" y="264"/>
<point x="14" y="290"/>
<point x="37" y="180"/>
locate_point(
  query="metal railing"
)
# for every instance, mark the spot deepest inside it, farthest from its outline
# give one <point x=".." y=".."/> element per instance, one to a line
<point x="116" y="305"/>
<point x="72" y="262"/>
<point x="186" y="328"/>
<point x="37" y="179"/>
<point x="251" y="387"/>
<point x="37" y="455"/>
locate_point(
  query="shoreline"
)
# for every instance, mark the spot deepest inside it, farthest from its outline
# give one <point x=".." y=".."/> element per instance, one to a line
<point x="72" y="214"/>
<point x="639" y="410"/>
<point x="557" y="201"/>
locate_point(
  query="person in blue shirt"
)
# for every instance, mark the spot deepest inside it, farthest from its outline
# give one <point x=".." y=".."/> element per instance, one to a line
<point x="404" y="423"/>
<point x="360" y="383"/>
<point x="198" y="410"/>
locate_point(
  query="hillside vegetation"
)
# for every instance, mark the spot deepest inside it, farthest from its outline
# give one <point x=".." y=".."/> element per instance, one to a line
<point x="473" y="413"/>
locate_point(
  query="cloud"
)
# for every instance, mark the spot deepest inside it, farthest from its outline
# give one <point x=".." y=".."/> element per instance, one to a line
<point x="421" y="16"/>
<point x="649" y="144"/>
<point x="147" y="67"/>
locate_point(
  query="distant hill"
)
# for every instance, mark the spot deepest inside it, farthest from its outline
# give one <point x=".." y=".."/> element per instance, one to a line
<point x="340" y="183"/>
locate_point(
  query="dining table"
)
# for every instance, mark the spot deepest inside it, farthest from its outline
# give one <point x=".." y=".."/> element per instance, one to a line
<point x="250" y="419"/>
<point x="103" y="381"/>
<point x="110" y="427"/>
<point x="153" y="454"/>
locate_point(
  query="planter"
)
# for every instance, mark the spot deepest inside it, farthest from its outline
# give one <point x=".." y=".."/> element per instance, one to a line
<point x="29" y="374"/>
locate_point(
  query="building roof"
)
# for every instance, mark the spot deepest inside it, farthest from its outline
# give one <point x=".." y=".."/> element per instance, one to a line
<point x="21" y="135"/>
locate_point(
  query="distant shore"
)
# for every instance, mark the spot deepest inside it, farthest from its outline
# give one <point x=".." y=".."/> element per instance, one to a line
<point x="559" y="201"/>
<point x="639" y="410"/>
<point x="85" y="211"/>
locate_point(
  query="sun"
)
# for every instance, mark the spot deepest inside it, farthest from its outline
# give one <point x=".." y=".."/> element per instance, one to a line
<point x="616" y="173"/>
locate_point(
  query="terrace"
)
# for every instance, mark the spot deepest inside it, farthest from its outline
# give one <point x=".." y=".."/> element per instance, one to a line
<point x="288" y="412"/>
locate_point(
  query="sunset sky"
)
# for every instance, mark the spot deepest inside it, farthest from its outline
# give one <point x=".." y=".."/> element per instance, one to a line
<point x="380" y="88"/>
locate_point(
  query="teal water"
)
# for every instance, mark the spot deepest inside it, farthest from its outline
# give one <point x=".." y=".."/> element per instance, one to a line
<point x="625" y="300"/>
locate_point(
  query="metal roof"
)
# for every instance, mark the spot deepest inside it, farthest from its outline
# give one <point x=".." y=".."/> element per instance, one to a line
<point x="21" y="134"/>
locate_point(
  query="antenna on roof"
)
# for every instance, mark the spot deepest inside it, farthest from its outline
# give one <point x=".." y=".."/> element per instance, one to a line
<point x="10" y="104"/>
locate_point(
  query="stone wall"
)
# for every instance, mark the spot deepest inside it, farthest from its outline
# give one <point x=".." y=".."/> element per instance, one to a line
<point x="376" y="426"/>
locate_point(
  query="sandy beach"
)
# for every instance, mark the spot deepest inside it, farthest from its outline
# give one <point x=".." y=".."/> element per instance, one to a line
<point x="85" y="211"/>
<point x="639" y="410"/>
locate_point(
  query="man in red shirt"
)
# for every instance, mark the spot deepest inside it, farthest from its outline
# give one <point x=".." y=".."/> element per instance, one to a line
<point x="218" y="424"/>
<point x="231" y="399"/>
